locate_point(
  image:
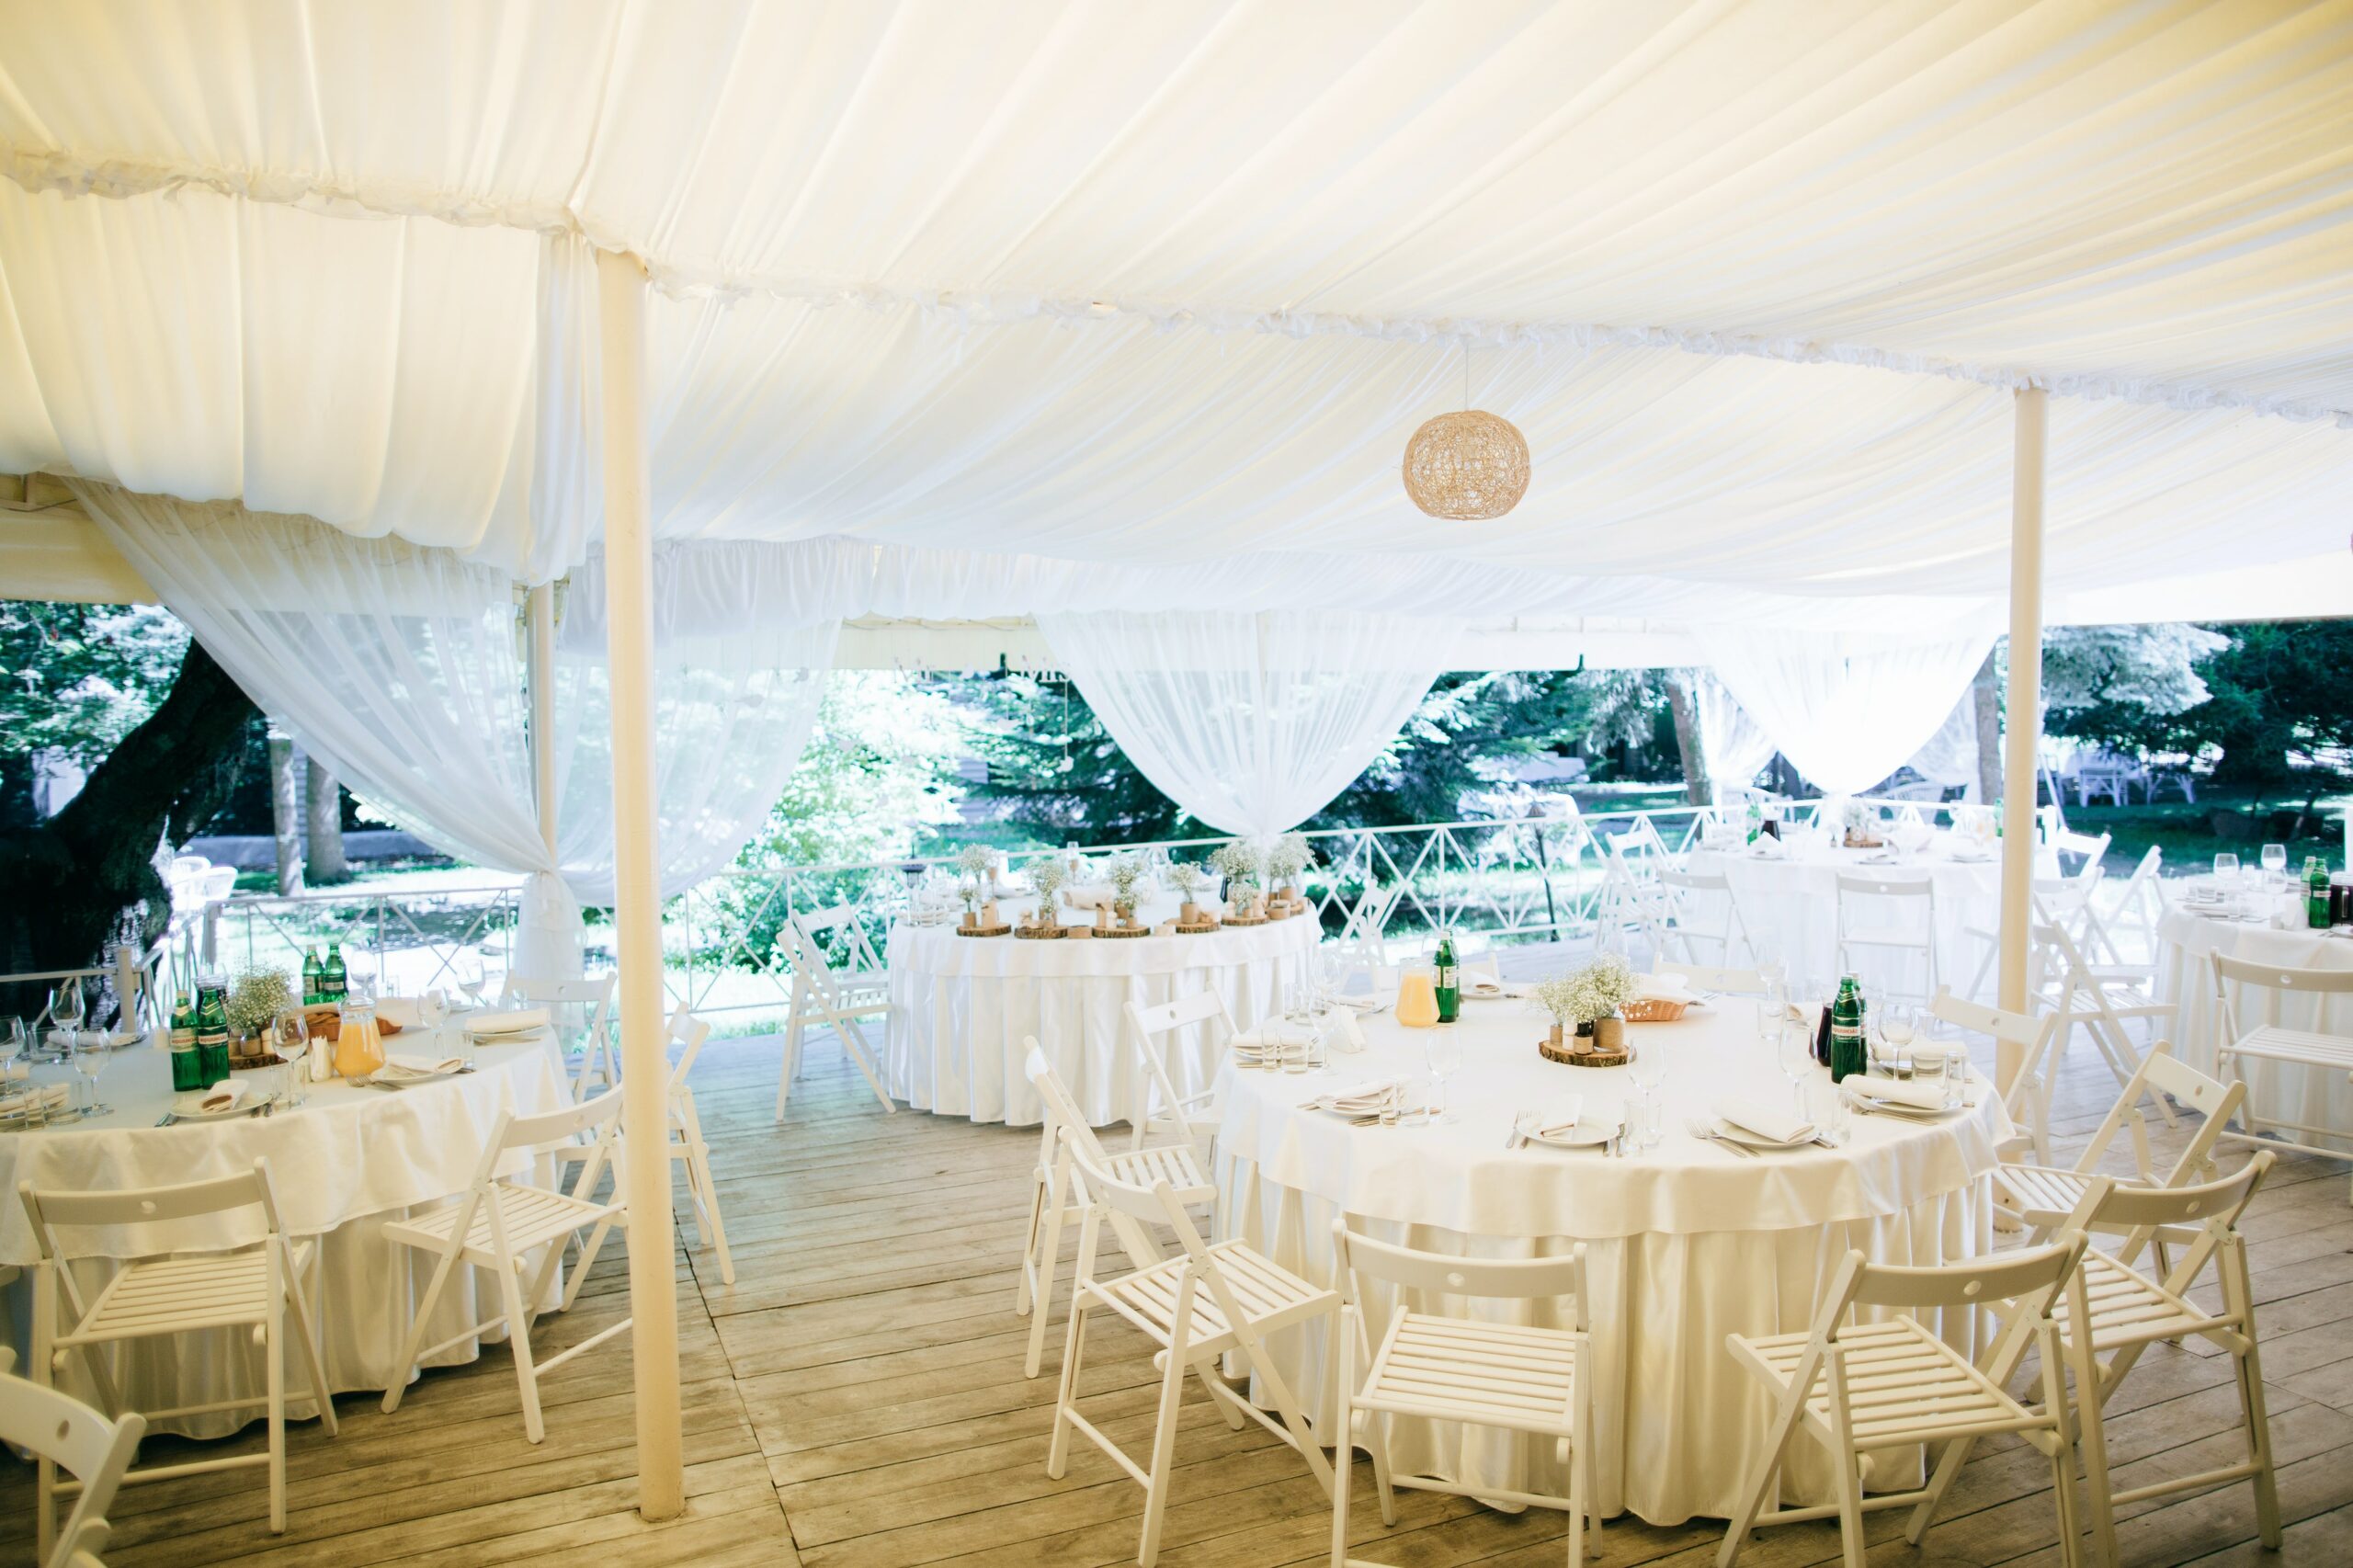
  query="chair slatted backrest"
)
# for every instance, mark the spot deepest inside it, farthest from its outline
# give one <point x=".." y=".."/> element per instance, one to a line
<point x="2161" y="1071"/>
<point x="597" y="1119"/>
<point x="1513" y="1279"/>
<point x="54" y="1209"/>
<point x="1062" y="1108"/>
<point x="690" y="1032"/>
<point x="2213" y="1206"/>
<point x="2028" y="1032"/>
<point x="1860" y="886"/>
<point x="92" y="1449"/>
<point x="844" y="924"/>
<point x="1147" y="1027"/>
<point x="2275" y="981"/>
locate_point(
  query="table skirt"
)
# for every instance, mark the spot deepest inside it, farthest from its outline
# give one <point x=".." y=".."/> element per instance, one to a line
<point x="1681" y="1423"/>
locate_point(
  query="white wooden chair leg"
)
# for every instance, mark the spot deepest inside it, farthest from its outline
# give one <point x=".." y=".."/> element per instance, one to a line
<point x="791" y="1063"/>
<point x="718" y="1224"/>
<point x="1215" y="1388"/>
<point x="1845" y="1473"/>
<point x="518" y="1336"/>
<point x="1342" y="1452"/>
<point x="273" y="1349"/>
<point x="1073" y="1345"/>
<point x="306" y="1337"/>
<point x="44" y="1373"/>
<point x="419" y="1318"/>
<point x="1023" y="1294"/>
<point x="1164" y="1433"/>
<point x="853" y="1040"/>
<point x="1383" y="1488"/>
<point x="1048" y="1256"/>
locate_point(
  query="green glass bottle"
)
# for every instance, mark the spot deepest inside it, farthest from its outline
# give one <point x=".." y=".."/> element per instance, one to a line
<point x="333" y="980"/>
<point x="2315" y="893"/>
<point x="311" y="980"/>
<point x="1449" y="979"/>
<point x="1846" y="1032"/>
<point x="212" y="1033"/>
<point x="188" y="1068"/>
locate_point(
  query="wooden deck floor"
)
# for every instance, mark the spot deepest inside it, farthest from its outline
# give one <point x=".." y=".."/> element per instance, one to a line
<point x="856" y="1401"/>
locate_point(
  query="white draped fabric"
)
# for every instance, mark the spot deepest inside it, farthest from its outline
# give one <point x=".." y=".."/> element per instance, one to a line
<point x="1733" y="745"/>
<point x="1251" y="722"/>
<point x="1949" y="757"/>
<point x="1846" y="709"/>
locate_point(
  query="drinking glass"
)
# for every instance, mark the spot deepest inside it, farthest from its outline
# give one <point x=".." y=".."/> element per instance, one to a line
<point x="470" y="978"/>
<point x="1899" y="1025"/>
<point x="2226" y="868"/>
<point x="1442" y="1049"/>
<point x="2275" y="861"/>
<point x="66" y="1011"/>
<point x="1939" y="1065"/>
<point x="1826" y="1107"/>
<point x="1797" y="1061"/>
<point x="90" y="1053"/>
<point x="1647" y="1067"/>
<point x="12" y="1046"/>
<point x="1643" y="1113"/>
<point x="290" y="1037"/>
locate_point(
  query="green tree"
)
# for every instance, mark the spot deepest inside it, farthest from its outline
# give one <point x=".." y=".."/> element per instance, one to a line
<point x="1054" y="773"/>
<point x="1463" y="735"/>
<point x="76" y="679"/>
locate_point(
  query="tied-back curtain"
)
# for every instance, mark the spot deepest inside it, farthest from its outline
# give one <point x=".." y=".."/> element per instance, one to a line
<point x="397" y="665"/>
<point x="1251" y="722"/>
<point x="1949" y="757"/>
<point x="736" y="695"/>
<point x="1845" y="709"/>
<point x="1732" y="746"/>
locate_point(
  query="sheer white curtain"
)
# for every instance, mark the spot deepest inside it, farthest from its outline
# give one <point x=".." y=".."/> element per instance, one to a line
<point x="397" y="665"/>
<point x="1949" y="757"/>
<point x="1845" y="709"/>
<point x="734" y="697"/>
<point x="1732" y="746"/>
<point x="1251" y="722"/>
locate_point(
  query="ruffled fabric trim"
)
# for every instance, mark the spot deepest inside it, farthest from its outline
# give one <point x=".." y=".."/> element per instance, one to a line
<point x="45" y="170"/>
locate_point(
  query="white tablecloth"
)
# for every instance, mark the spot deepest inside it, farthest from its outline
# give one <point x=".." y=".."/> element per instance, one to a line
<point x="1683" y="1245"/>
<point x="961" y="1007"/>
<point x="344" y="1165"/>
<point x="1794" y="904"/>
<point x="2187" y="980"/>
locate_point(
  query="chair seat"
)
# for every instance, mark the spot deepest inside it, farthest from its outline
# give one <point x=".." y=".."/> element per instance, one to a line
<point x="1269" y="1295"/>
<point x="2127" y="1308"/>
<point x="534" y="1216"/>
<point x="1904" y="1385"/>
<point x="2302" y="1047"/>
<point x="1172" y="1163"/>
<point x="1497" y="1374"/>
<point x="2045" y="1195"/>
<point x="168" y="1295"/>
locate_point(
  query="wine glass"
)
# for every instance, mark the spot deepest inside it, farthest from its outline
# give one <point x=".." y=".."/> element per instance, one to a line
<point x="470" y="978"/>
<point x="66" y="1010"/>
<point x="2226" y="868"/>
<point x="290" y="1038"/>
<point x="2275" y="861"/>
<point x="1797" y="1063"/>
<point x="1442" y="1049"/>
<point x="12" y="1046"/>
<point x="1899" y="1025"/>
<point x="90" y="1055"/>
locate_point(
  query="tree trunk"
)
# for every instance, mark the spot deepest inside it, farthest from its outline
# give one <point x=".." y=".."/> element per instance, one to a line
<point x="1987" y="692"/>
<point x="322" y="807"/>
<point x="1686" y="714"/>
<point x="285" y="815"/>
<point x="64" y="881"/>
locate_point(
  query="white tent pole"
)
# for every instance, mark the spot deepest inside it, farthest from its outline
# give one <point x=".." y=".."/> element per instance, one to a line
<point x="2024" y="718"/>
<point x="637" y="894"/>
<point x="539" y="662"/>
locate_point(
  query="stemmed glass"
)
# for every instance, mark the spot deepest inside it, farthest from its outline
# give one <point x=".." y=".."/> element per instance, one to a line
<point x="2226" y="868"/>
<point x="2275" y="861"/>
<point x="1648" y="1070"/>
<point x="12" y="1047"/>
<point x="66" y="1010"/>
<point x="1442" y="1049"/>
<point x="470" y="978"/>
<point x="1797" y="1063"/>
<point x="290" y="1038"/>
<point x="1899" y="1024"/>
<point x="90" y="1055"/>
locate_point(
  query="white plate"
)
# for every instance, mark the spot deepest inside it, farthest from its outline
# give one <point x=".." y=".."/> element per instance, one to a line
<point x="506" y="1033"/>
<point x="1897" y="1108"/>
<point x="184" y="1108"/>
<point x="1489" y="993"/>
<point x="1735" y="1133"/>
<point x="1584" y="1135"/>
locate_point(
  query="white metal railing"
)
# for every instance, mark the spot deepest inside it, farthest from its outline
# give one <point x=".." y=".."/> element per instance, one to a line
<point x="1506" y="880"/>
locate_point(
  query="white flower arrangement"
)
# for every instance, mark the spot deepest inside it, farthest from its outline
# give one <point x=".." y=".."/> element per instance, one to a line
<point x="1186" y="878"/>
<point x="1047" y="875"/>
<point x="1291" y="855"/>
<point x="258" y="996"/>
<point x="1127" y="875"/>
<point x="1236" y="863"/>
<point x="1593" y="992"/>
<point x="1856" y="814"/>
<point x="976" y="860"/>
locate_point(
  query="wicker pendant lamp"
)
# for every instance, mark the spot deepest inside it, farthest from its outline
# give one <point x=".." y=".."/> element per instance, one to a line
<point x="1467" y="466"/>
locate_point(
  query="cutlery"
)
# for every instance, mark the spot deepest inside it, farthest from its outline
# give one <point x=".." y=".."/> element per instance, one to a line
<point x="167" y="1118"/>
<point x="1708" y="1134"/>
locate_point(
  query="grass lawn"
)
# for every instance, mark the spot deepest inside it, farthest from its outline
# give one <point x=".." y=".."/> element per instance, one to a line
<point x="2191" y="835"/>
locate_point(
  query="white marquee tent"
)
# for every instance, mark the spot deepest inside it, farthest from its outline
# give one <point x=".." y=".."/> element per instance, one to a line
<point x="796" y="314"/>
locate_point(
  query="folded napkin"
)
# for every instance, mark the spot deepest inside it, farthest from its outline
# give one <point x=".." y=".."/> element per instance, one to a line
<point x="220" y="1096"/>
<point x="419" y="1066"/>
<point x="1357" y="1099"/>
<point x="1779" y="1126"/>
<point x="1901" y="1091"/>
<point x="1557" y="1117"/>
<point x="514" y="1020"/>
<point x="1768" y="848"/>
<point x="48" y="1096"/>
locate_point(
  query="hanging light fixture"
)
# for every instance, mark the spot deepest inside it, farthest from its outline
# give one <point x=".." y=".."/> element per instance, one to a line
<point x="1467" y="466"/>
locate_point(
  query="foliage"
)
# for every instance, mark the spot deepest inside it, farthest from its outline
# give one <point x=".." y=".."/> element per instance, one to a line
<point x="2152" y="667"/>
<point x="79" y="677"/>
<point x="1053" y="771"/>
<point x="255" y="999"/>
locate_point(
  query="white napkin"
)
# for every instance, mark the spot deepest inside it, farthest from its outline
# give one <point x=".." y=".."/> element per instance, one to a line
<point x="220" y="1096"/>
<point x="1357" y="1099"/>
<point x="401" y="1010"/>
<point x="49" y="1096"/>
<point x="1088" y="895"/>
<point x="1779" y="1126"/>
<point x="1901" y="1091"/>
<point x="419" y="1066"/>
<point x="1768" y="848"/>
<point x="1558" y="1116"/>
<point x="514" y="1021"/>
<point x="1667" y="987"/>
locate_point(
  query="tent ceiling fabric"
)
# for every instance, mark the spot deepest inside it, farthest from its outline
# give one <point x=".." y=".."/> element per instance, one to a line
<point x="1168" y="287"/>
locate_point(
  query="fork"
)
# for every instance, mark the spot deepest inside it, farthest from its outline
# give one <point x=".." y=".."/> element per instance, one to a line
<point x="1707" y="1134"/>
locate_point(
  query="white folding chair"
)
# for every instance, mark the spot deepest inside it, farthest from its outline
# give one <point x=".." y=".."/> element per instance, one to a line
<point x="1475" y="1370"/>
<point x="2099" y="999"/>
<point x="686" y="1146"/>
<point x="63" y="1433"/>
<point x="2028" y="1099"/>
<point x="1710" y="977"/>
<point x="2043" y="1196"/>
<point x="1632" y="897"/>
<point x="590" y="1003"/>
<point x="2140" y="904"/>
<point x="497" y="1221"/>
<point x="1056" y="1184"/>
<point x="1362" y="941"/>
<point x="256" y="1289"/>
<point x="1149" y="1029"/>
<point x="2268" y="1041"/>
<point x="1207" y="1302"/>
<point x="1889" y="915"/>
<point x="2064" y="902"/>
<point x="834" y="999"/>
<point x="2091" y="846"/>
<point x="2129" y="1311"/>
<point x="1691" y="896"/>
<point x="1859" y="1386"/>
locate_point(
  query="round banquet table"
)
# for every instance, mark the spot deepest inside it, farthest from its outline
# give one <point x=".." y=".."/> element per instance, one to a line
<point x="961" y="1007"/>
<point x="2186" y="978"/>
<point x="341" y="1166"/>
<point x="1793" y="902"/>
<point x="1684" y="1246"/>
